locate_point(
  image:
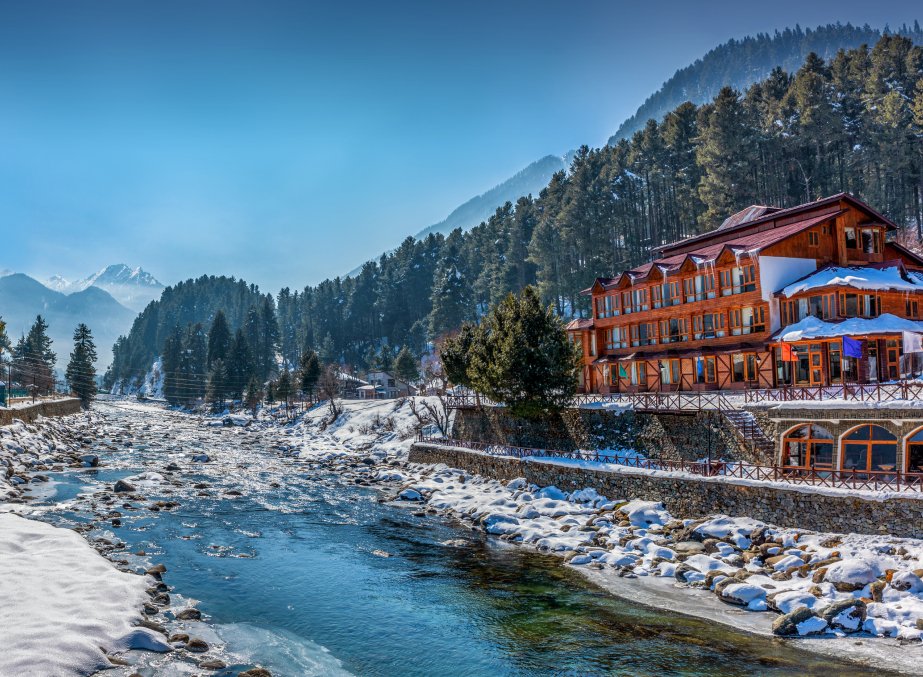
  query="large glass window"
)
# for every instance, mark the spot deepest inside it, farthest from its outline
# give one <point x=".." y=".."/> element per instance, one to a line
<point x="915" y="452"/>
<point x="859" y="305"/>
<point x="738" y="280"/>
<point x="808" y="446"/>
<point x="852" y="242"/>
<point x="748" y="320"/>
<point x="869" y="447"/>
<point x="699" y="288"/>
<point x="705" y="370"/>
<point x="744" y="367"/>
<point x="869" y="240"/>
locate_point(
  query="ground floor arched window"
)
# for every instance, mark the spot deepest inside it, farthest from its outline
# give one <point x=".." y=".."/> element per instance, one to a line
<point x="915" y="452"/>
<point x="808" y="446"/>
<point x="869" y="447"/>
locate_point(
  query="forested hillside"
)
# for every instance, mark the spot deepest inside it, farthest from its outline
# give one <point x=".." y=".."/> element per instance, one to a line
<point x="852" y="124"/>
<point x="741" y="63"/>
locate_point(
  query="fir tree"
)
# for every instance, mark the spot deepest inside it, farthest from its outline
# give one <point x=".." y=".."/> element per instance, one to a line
<point x="217" y="391"/>
<point x="193" y="363"/>
<point x="405" y="366"/>
<point x="455" y="352"/>
<point x="81" y="370"/>
<point x="254" y="394"/>
<point x="219" y="338"/>
<point x="309" y="372"/>
<point x="521" y="356"/>
<point x="5" y="345"/>
<point x="240" y="366"/>
<point x="172" y="356"/>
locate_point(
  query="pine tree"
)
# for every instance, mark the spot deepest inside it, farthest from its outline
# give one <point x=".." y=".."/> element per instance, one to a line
<point x="219" y="338"/>
<point x="521" y="356"/>
<point x="451" y="298"/>
<point x="217" y="391"/>
<point x="193" y="364"/>
<point x="309" y="372"/>
<point x="172" y="356"/>
<point x="405" y="366"/>
<point x="454" y="353"/>
<point x="284" y="388"/>
<point x="81" y="370"/>
<point x="240" y="366"/>
<point x="254" y="395"/>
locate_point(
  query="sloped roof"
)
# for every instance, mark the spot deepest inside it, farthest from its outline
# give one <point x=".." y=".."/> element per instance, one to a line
<point x="579" y="323"/>
<point x="815" y="328"/>
<point x="891" y="277"/>
<point x="751" y="213"/>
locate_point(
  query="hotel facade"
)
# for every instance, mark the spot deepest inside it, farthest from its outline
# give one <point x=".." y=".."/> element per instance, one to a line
<point x="763" y="301"/>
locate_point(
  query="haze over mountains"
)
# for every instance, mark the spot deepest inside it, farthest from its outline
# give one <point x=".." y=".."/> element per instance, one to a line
<point x="107" y="301"/>
<point x="132" y="287"/>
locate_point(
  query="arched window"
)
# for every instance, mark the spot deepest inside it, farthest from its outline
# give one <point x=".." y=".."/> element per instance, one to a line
<point x="915" y="452"/>
<point x="869" y="447"/>
<point x="807" y="446"/>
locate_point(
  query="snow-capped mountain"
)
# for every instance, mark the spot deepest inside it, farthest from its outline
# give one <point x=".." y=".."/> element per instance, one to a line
<point x="132" y="287"/>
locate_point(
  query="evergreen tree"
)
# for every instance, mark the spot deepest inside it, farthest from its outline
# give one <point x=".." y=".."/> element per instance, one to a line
<point x="193" y="364"/>
<point x="309" y="372"/>
<point x="217" y="391"/>
<point x="81" y="370"/>
<point x="254" y="394"/>
<point x="240" y="367"/>
<point x="405" y="366"/>
<point x="172" y="356"/>
<point x="521" y="356"/>
<point x="451" y="298"/>
<point x="219" y="338"/>
<point x="455" y="352"/>
<point x="284" y="388"/>
<point x="5" y="345"/>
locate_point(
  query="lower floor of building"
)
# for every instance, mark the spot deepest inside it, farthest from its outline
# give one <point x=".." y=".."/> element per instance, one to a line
<point x="816" y="362"/>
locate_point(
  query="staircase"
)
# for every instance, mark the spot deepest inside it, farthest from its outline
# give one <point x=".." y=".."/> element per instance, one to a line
<point x="748" y="431"/>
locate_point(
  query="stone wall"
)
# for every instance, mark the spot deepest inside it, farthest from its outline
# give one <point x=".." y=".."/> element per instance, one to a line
<point x="49" y="408"/>
<point x="836" y="512"/>
<point x="672" y="436"/>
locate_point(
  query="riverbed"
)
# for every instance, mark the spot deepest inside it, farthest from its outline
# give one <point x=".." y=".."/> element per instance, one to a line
<point x="303" y="572"/>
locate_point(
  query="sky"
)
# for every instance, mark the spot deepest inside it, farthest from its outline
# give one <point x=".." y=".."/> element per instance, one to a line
<point x="285" y="142"/>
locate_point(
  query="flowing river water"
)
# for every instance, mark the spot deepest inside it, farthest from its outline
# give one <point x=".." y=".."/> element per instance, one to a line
<point x="307" y="573"/>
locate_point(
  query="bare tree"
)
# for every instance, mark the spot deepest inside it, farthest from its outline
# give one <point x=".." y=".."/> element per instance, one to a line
<point x="428" y="412"/>
<point x="330" y="390"/>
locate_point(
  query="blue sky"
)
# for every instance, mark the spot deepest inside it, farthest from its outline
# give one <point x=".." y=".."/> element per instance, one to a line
<point x="285" y="142"/>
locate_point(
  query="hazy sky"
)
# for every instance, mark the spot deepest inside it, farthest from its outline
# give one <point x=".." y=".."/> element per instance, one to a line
<point x="285" y="142"/>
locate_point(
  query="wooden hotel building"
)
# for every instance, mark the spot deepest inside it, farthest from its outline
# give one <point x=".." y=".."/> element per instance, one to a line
<point x="765" y="300"/>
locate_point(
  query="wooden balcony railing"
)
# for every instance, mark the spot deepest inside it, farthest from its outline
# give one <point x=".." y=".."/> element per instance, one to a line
<point x="851" y="392"/>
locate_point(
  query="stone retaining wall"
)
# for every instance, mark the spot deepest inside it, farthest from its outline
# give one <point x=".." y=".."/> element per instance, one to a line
<point x="48" y="408"/>
<point x="671" y="436"/>
<point x="699" y="497"/>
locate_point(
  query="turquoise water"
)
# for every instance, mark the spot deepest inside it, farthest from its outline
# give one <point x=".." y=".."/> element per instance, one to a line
<point x="317" y="575"/>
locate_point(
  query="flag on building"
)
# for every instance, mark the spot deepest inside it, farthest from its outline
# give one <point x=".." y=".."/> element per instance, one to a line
<point x="913" y="342"/>
<point x="852" y="347"/>
<point x="788" y="353"/>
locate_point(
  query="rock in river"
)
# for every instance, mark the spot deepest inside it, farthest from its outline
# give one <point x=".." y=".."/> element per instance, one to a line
<point x="123" y="486"/>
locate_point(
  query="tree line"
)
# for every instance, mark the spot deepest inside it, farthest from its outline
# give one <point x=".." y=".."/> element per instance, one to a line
<point x="853" y="123"/>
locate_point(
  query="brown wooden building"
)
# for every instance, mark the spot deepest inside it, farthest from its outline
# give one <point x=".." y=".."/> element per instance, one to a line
<point x="715" y="310"/>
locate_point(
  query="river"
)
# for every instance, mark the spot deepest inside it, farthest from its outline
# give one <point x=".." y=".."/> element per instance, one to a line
<point x="306" y="573"/>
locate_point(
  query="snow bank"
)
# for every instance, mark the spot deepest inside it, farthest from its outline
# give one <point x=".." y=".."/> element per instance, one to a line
<point x="62" y="603"/>
<point x="812" y="327"/>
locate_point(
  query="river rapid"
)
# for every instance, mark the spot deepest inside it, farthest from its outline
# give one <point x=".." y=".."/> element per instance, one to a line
<point x="306" y="570"/>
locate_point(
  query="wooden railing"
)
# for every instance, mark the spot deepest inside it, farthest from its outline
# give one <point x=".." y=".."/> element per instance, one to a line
<point x="644" y="401"/>
<point x="851" y="392"/>
<point x="858" y="480"/>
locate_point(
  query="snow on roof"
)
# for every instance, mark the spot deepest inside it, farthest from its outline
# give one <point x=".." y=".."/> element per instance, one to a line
<point x="868" y="278"/>
<point x="813" y="328"/>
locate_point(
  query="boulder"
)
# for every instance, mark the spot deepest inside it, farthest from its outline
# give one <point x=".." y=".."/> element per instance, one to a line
<point x="686" y="548"/>
<point x="851" y="574"/>
<point x="197" y="645"/>
<point x="907" y="581"/>
<point x="846" y="614"/>
<point x="121" y="486"/>
<point x="787" y="624"/>
<point x="189" y="615"/>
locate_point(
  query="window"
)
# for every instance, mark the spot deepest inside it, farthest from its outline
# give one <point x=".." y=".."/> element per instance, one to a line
<point x="808" y="446"/>
<point x="674" y="330"/>
<point x="671" y="294"/>
<point x="656" y="296"/>
<point x="813" y="239"/>
<point x="626" y="302"/>
<point x="577" y="340"/>
<point x="644" y="334"/>
<point x="913" y="309"/>
<point x="859" y="305"/>
<point x="836" y="362"/>
<point x="639" y="300"/>
<point x="738" y="280"/>
<point x="915" y="452"/>
<point x="869" y="240"/>
<point x="639" y="373"/>
<point x="616" y="337"/>
<point x="709" y="325"/>
<point x="705" y="370"/>
<point x="748" y="320"/>
<point x="699" y="288"/>
<point x="852" y="241"/>
<point x="670" y="372"/>
<point x="613" y="375"/>
<point x="869" y="447"/>
<point x="744" y="367"/>
<point x="593" y="343"/>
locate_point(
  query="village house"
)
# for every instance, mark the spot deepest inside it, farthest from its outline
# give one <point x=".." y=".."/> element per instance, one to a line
<point x="813" y="295"/>
<point x="384" y="385"/>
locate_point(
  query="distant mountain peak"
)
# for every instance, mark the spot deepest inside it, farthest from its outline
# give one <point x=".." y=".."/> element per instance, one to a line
<point x="120" y="273"/>
<point x="132" y="287"/>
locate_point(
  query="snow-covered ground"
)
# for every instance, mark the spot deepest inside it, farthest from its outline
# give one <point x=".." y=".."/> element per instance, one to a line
<point x="63" y="607"/>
